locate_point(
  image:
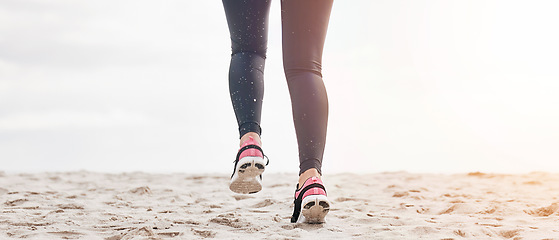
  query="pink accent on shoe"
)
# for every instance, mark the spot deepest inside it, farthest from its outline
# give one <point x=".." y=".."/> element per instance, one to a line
<point x="312" y="191"/>
<point x="251" y="151"/>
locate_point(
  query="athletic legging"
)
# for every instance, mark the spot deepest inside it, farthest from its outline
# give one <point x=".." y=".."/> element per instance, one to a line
<point x="304" y="25"/>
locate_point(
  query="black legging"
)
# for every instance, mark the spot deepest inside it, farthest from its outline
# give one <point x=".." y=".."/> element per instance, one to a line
<point x="304" y="25"/>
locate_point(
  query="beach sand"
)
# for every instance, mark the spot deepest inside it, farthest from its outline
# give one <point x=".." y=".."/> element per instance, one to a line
<point x="395" y="205"/>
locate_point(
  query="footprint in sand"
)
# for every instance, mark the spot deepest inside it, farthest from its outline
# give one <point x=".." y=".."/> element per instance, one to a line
<point x="242" y="197"/>
<point x="141" y="190"/>
<point x="230" y="220"/>
<point x="15" y="202"/>
<point x="70" y="206"/>
<point x="459" y="208"/>
<point x="544" y="211"/>
<point x="509" y="233"/>
<point x="66" y="234"/>
<point x="186" y="222"/>
<point x="203" y="233"/>
<point x="265" y="203"/>
<point x="460" y="233"/>
<point x="401" y="194"/>
<point x="137" y="232"/>
<point x="169" y="234"/>
<point x="288" y="227"/>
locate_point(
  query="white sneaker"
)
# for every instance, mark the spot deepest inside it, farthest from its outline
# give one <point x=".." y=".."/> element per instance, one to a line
<point x="249" y="166"/>
<point x="311" y="203"/>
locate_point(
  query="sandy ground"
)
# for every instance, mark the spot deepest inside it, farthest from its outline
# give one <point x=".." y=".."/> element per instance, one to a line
<point x="399" y="205"/>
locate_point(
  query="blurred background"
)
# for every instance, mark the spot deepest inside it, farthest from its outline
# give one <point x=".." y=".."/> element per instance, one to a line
<point x="420" y="86"/>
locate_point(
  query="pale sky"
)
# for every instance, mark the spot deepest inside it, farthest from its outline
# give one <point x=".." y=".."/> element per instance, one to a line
<point x="418" y="86"/>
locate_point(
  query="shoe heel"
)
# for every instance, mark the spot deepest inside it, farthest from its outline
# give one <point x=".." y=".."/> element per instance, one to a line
<point x="314" y="208"/>
<point x="247" y="178"/>
<point x="253" y="167"/>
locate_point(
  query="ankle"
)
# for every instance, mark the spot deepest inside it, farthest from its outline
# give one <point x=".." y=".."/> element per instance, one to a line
<point x="313" y="172"/>
<point x="249" y="135"/>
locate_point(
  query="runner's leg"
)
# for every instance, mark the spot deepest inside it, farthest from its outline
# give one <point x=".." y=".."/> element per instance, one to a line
<point x="304" y="26"/>
<point x="248" y="27"/>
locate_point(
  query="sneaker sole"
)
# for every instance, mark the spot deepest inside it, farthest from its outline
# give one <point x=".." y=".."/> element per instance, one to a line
<point x="314" y="209"/>
<point x="247" y="175"/>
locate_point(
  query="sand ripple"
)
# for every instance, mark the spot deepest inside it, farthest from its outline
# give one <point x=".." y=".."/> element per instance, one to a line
<point x="396" y="205"/>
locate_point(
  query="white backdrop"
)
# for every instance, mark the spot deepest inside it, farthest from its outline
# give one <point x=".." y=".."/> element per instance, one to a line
<point x="420" y="86"/>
